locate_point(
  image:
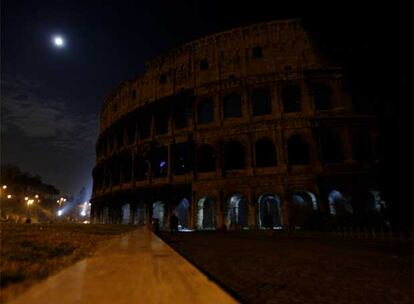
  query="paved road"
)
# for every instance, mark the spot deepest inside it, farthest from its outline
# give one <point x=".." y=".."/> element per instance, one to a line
<point x="135" y="268"/>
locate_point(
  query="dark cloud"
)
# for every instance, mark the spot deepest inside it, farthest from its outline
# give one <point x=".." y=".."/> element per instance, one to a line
<point x="47" y="137"/>
<point x="39" y="117"/>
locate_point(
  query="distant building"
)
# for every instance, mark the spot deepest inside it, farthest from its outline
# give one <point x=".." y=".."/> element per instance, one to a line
<point x="234" y="129"/>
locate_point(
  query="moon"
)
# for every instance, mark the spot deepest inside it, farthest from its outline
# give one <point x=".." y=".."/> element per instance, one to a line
<point x="58" y="41"/>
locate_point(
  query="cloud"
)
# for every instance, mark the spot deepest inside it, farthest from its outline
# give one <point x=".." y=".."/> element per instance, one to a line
<point x="41" y="118"/>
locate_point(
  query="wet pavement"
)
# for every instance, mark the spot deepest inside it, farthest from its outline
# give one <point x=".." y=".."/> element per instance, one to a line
<point x="134" y="268"/>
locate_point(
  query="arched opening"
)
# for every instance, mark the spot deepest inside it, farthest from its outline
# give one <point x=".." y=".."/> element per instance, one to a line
<point x="298" y="151"/>
<point x="126" y="171"/>
<point x="234" y="155"/>
<point x="322" y="95"/>
<point x="261" y="102"/>
<point x="205" y="111"/>
<point x="131" y="134"/>
<point x="181" y="211"/>
<point x="119" y="138"/>
<point x="158" y="212"/>
<point x="206" y="214"/>
<point x="115" y="172"/>
<point x="362" y="146"/>
<point x="141" y="168"/>
<point x="144" y="126"/>
<point x="181" y="158"/>
<point x="126" y="214"/>
<point x="302" y="209"/>
<point x="232" y="106"/>
<point x="291" y="97"/>
<point x="206" y="161"/>
<point x="265" y="153"/>
<point x="331" y="146"/>
<point x="270" y="215"/>
<point x="160" y="162"/>
<point x="161" y="122"/>
<point x="183" y="113"/>
<point x="237" y="212"/>
<point x="339" y="204"/>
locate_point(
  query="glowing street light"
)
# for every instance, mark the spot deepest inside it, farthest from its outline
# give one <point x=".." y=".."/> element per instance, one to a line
<point x="59" y="213"/>
<point x="26" y="198"/>
<point x="36" y="196"/>
<point x="9" y="196"/>
<point x="29" y="202"/>
<point x="4" y="186"/>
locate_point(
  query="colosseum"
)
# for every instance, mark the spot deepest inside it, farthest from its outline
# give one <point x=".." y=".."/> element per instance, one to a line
<point x="233" y="131"/>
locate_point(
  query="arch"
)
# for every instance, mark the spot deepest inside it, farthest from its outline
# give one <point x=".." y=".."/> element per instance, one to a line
<point x="339" y="204"/>
<point x="298" y="150"/>
<point x="362" y="145"/>
<point x="126" y="214"/>
<point x="181" y="157"/>
<point x="322" y="95"/>
<point x="161" y="162"/>
<point x="205" y="111"/>
<point x="119" y="138"/>
<point x="181" y="211"/>
<point x="183" y="113"/>
<point x="206" y="213"/>
<point x="237" y="211"/>
<point x="131" y="134"/>
<point x="331" y="146"/>
<point x="234" y="155"/>
<point x="206" y="159"/>
<point x="291" y="98"/>
<point x="161" y="122"/>
<point x="261" y="102"/>
<point x="269" y="206"/>
<point x="265" y="153"/>
<point x="232" y="105"/>
<point x="141" y="168"/>
<point x="377" y="203"/>
<point x="303" y="206"/>
<point x="158" y="212"/>
<point x="126" y="171"/>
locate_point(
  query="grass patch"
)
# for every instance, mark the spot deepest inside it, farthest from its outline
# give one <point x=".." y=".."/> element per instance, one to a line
<point x="31" y="252"/>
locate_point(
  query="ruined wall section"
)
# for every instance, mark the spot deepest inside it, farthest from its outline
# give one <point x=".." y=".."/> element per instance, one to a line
<point x="283" y="50"/>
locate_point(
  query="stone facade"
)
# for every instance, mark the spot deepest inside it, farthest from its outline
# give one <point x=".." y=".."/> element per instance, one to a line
<point x="242" y="129"/>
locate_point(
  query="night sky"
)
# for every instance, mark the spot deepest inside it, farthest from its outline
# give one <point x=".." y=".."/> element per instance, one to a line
<point x="51" y="97"/>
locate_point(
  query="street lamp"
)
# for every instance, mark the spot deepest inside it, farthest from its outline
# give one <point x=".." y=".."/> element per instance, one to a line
<point x="36" y="196"/>
<point x="4" y="186"/>
<point x="29" y="202"/>
<point x="9" y="196"/>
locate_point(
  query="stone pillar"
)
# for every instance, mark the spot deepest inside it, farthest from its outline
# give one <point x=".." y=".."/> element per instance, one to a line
<point x="132" y="211"/>
<point x="219" y="209"/>
<point x="347" y="145"/>
<point x="284" y="206"/>
<point x="251" y="216"/>
<point x="133" y="167"/>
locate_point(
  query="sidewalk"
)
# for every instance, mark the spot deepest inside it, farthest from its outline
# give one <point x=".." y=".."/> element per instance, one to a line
<point x="135" y="268"/>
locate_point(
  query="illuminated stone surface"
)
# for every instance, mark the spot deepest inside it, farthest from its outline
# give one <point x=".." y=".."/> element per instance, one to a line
<point x="135" y="268"/>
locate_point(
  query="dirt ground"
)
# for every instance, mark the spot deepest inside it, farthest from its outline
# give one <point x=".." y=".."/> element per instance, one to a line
<point x="260" y="268"/>
<point x="31" y="252"/>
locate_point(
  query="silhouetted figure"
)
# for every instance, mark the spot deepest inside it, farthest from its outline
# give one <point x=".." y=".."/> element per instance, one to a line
<point x="156" y="225"/>
<point x="173" y="223"/>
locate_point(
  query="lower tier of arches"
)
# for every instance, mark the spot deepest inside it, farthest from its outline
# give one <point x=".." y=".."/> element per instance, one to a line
<point x="307" y="206"/>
